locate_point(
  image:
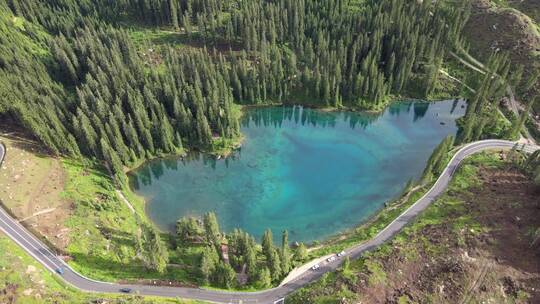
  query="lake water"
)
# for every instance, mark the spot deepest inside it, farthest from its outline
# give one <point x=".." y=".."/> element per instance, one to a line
<point x="313" y="173"/>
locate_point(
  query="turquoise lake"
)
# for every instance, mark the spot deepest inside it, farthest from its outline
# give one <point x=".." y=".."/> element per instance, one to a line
<point x="313" y="173"/>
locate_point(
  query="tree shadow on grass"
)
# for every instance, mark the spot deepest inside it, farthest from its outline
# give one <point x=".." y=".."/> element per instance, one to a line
<point x="21" y="141"/>
<point x="118" y="237"/>
<point x="105" y="269"/>
<point x="89" y="167"/>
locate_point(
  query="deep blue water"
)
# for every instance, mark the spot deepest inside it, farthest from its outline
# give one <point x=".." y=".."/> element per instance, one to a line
<point x="313" y="173"/>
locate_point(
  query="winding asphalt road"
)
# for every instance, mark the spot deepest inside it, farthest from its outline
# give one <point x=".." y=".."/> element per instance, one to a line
<point x="45" y="256"/>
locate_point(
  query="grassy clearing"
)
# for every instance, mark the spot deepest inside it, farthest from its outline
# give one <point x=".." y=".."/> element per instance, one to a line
<point x="39" y="202"/>
<point x="155" y="39"/>
<point x="23" y="280"/>
<point x="103" y="230"/>
<point x="25" y="164"/>
<point x="357" y="5"/>
<point x="25" y="33"/>
<point x="151" y="36"/>
<point x="102" y="227"/>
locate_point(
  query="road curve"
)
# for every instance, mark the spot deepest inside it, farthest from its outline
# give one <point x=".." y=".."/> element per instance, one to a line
<point x="45" y="256"/>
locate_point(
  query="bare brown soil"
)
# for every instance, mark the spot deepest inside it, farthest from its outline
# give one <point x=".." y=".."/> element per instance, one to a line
<point x="153" y="56"/>
<point x="31" y="184"/>
<point x="9" y="294"/>
<point x="499" y="263"/>
<point x="497" y="28"/>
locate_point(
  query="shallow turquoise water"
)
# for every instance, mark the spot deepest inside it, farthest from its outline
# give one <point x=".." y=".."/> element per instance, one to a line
<point x="310" y="172"/>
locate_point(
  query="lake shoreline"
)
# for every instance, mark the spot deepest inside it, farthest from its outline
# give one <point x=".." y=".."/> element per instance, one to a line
<point x="239" y="140"/>
<point x="341" y="233"/>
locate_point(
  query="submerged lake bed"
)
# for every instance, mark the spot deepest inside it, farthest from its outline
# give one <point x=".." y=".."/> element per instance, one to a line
<point x="310" y="172"/>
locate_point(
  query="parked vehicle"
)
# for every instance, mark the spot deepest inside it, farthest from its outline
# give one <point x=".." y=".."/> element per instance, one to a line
<point x="341" y="254"/>
<point x="331" y="259"/>
<point x="315" y="267"/>
<point x="125" y="290"/>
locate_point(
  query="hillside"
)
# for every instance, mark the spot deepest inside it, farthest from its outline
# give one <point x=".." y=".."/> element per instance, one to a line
<point x="23" y="280"/>
<point x="512" y="27"/>
<point x="92" y="89"/>
<point x="475" y="244"/>
<point x="133" y="80"/>
<point x="79" y="61"/>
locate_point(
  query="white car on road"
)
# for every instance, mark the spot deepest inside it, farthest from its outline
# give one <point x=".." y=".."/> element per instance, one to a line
<point x="316" y="266"/>
<point x="331" y="259"/>
<point x="341" y="254"/>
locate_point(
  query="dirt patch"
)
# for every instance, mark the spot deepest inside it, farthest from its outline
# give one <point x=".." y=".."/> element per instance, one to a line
<point x="513" y="211"/>
<point x="154" y="55"/>
<point x="31" y="183"/>
<point x="495" y="262"/>
<point x="8" y="294"/>
<point x="491" y="28"/>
